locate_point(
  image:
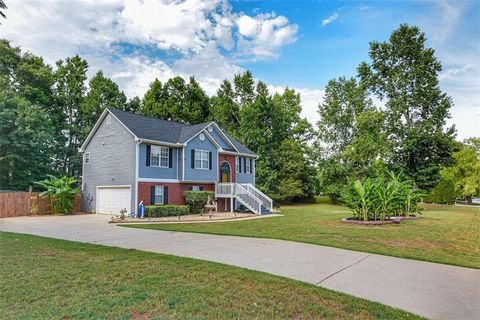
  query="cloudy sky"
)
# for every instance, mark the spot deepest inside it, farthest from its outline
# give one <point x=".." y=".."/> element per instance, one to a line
<point x="299" y="44"/>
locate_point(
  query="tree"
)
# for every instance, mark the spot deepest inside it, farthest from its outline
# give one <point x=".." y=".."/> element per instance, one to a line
<point x="133" y="105"/>
<point x="103" y="93"/>
<point x="224" y="109"/>
<point x="69" y="90"/>
<point x="347" y="117"/>
<point x="405" y="74"/>
<point x="296" y="175"/>
<point x="465" y="173"/>
<point x="176" y="101"/>
<point x="344" y="100"/>
<point x="152" y="103"/>
<point x="369" y="143"/>
<point x="25" y="124"/>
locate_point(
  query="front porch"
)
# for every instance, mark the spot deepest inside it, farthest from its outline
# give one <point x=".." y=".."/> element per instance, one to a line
<point x="229" y="193"/>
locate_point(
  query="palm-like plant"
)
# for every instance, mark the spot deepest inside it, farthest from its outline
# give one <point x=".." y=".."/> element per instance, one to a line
<point x="61" y="192"/>
<point x="381" y="198"/>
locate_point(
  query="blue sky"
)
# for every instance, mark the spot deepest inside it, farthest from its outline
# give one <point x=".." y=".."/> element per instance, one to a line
<point x="299" y="44"/>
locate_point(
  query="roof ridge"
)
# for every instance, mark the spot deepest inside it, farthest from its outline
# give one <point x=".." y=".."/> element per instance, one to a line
<point x="148" y="117"/>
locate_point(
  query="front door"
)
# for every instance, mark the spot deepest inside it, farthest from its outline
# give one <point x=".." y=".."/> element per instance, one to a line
<point x="225" y="172"/>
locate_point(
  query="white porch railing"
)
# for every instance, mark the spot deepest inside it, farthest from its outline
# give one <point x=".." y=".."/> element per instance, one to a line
<point x="266" y="201"/>
<point x="245" y="194"/>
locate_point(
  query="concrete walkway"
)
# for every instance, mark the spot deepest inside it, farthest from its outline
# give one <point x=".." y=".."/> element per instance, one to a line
<point x="432" y="290"/>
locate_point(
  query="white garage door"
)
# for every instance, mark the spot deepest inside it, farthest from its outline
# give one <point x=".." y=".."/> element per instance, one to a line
<point x="113" y="199"/>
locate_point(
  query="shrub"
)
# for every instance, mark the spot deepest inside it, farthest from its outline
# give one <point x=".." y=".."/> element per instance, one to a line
<point x="378" y="199"/>
<point x="61" y="193"/>
<point x="167" y="210"/>
<point x="444" y="192"/>
<point x="198" y="199"/>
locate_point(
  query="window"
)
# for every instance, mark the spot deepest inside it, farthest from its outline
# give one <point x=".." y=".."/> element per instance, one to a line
<point x="196" y="188"/>
<point x="202" y="137"/>
<point x="248" y="167"/>
<point x="159" y="156"/>
<point x="210" y="129"/>
<point x="237" y="164"/>
<point x="159" y="191"/>
<point x="109" y="119"/>
<point x="86" y="157"/>
<point x="202" y="159"/>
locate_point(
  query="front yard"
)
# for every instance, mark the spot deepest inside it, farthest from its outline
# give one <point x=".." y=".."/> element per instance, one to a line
<point x="444" y="234"/>
<point x="42" y="278"/>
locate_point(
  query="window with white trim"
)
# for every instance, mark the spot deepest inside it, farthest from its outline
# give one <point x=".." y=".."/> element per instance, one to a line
<point x="195" y="188"/>
<point x="159" y="156"/>
<point x="247" y="165"/>
<point x="159" y="193"/>
<point x="86" y="157"/>
<point x="237" y="164"/>
<point x="202" y="159"/>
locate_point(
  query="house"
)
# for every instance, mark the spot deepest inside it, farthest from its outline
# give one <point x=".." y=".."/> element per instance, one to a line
<point x="129" y="158"/>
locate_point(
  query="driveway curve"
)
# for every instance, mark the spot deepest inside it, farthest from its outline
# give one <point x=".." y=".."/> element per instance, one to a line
<point x="431" y="290"/>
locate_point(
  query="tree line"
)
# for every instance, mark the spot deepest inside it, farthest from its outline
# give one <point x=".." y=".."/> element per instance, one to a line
<point x="47" y="112"/>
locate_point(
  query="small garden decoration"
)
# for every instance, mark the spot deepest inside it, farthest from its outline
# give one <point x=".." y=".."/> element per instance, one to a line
<point x="381" y="200"/>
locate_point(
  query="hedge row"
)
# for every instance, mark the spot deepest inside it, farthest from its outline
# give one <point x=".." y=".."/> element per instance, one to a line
<point x="165" y="211"/>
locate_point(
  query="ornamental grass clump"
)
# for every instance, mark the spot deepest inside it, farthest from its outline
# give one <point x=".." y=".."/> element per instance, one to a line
<point x="381" y="198"/>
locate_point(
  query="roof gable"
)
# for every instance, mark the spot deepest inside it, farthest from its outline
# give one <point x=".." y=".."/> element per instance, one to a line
<point x="147" y="128"/>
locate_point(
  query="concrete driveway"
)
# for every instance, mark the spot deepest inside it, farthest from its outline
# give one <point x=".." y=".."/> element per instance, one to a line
<point x="432" y="290"/>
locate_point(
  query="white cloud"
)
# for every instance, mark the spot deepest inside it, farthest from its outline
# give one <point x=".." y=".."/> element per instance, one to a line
<point x="330" y="19"/>
<point x="204" y="38"/>
<point x="247" y="26"/>
<point x="262" y="35"/>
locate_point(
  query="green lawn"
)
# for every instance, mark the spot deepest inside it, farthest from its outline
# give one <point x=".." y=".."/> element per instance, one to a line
<point x="444" y="234"/>
<point x="42" y="278"/>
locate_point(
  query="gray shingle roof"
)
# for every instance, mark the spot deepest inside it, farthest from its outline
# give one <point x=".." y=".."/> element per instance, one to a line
<point x="167" y="131"/>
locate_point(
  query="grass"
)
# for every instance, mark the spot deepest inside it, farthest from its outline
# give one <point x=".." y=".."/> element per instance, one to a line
<point x="443" y="234"/>
<point x="43" y="278"/>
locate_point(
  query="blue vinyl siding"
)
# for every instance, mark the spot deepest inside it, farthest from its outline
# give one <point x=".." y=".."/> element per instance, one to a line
<point x="156" y="172"/>
<point x="219" y="139"/>
<point x="246" y="177"/>
<point x="199" y="174"/>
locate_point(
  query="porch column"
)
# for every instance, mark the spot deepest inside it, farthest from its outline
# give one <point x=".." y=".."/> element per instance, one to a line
<point x="231" y="204"/>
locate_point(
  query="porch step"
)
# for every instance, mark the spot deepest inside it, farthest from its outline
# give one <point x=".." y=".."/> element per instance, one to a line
<point x="265" y="211"/>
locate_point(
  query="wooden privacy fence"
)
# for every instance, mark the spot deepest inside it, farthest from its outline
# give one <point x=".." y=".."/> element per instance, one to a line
<point x="16" y="204"/>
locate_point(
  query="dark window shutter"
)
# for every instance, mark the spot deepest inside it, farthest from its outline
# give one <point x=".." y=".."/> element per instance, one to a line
<point x="210" y="160"/>
<point x="165" y="195"/>
<point x="149" y="150"/>
<point x="244" y="165"/>
<point x="193" y="158"/>
<point x="239" y="164"/>
<point x="251" y="165"/>
<point x="190" y="188"/>
<point x="201" y="188"/>
<point x="170" y="157"/>
<point x="152" y="195"/>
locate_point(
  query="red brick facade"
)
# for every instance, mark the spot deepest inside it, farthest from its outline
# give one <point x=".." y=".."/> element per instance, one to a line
<point x="175" y="191"/>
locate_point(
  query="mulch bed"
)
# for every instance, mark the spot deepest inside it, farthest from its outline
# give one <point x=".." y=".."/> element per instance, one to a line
<point x="378" y="222"/>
